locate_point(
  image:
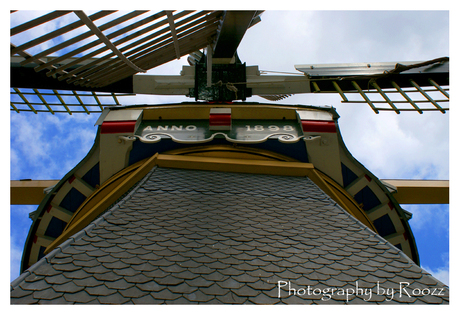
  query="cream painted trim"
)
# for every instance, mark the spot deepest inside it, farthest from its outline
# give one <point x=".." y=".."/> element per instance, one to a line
<point x="60" y="213"/>
<point x="357" y="185"/>
<point x="239" y="111"/>
<point x="82" y="186"/>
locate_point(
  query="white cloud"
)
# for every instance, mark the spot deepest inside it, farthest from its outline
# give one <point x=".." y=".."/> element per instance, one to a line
<point x="440" y="273"/>
<point x="389" y="145"/>
<point x="29" y="135"/>
<point x="15" y="260"/>
<point x="433" y="219"/>
<point x="38" y="141"/>
<point x="18" y="232"/>
<point x="392" y="147"/>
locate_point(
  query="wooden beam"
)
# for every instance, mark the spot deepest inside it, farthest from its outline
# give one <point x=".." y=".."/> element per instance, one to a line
<point x="172" y="27"/>
<point x="29" y="192"/>
<point x="234" y="26"/>
<point x="85" y="19"/>
<point x="180" y="84"/>
<point x="420" y="191"/>
<point x="234" y="165"/>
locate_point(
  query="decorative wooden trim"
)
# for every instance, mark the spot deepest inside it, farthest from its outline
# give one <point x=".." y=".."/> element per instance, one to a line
<point x="29" y="192"/>
<point x="420" y="191"/>
<point x="108" y="194"/>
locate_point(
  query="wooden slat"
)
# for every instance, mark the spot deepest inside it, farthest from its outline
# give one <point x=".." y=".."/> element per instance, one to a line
<point x="69" y="108"/>
<point x="81" y="102"/>
<point x="148" y="47"/>
<point x="115" y="99"/>
<point x="25" y="100"/>
<point x="386" y="97"/>
<point x="173" y="33"/>
<point x="368" y="101"/>
<point x="196" y="40"/>
<point x="59" y="32"/>
<point x="43" y="100"/>
<point x="97" y="100"/>
<point x="27" y="56"/>
<point x="80" y="37"/>
<point x="35" y="22"/>
<point x="339" y="90"/>
<point x="107" y="41"/>
<point x="67" y="104"/>
<point x="396" y="86"/>
<point x="409" y="109"/>
<point x="94" y="67"/>
<point x="105" y="48"/>
<point x="62" y="101"/>
<point x="14" y="108"/>
<point x="440" y="89"/>
<point x="427" y="96"/>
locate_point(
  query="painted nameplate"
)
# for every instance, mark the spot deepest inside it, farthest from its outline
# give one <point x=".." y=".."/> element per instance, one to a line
<point x="197" y="131"/>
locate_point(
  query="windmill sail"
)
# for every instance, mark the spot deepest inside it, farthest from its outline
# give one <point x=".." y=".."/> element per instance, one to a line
<point x="395" y="83"/>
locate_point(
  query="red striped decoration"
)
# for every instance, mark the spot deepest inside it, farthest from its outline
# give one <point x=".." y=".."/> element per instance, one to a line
<point x="319" y="126"/>
<point x="119" y="126"/>
<point x="220" y="119"/>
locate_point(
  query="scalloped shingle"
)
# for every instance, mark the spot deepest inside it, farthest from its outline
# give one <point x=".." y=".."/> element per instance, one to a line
<point x="186" y="236"/>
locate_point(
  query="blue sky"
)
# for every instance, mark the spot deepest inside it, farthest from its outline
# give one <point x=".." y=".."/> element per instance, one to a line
<point x="406" y="146"/>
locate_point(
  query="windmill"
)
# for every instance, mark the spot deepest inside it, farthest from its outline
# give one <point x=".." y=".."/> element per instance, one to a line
<point x="235" y="91"/>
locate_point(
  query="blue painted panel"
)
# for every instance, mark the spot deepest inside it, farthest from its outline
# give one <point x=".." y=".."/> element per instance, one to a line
<point x="72" y="200"/>
<point x="384" y="225"/>
<point x="347" y="175"/>
<point x="55" y="227"/>
<point x="92" y="176"/>
<point x="367" y="198"/>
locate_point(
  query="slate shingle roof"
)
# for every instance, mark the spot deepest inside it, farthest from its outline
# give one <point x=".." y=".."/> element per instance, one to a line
<point x="187" y="236"/>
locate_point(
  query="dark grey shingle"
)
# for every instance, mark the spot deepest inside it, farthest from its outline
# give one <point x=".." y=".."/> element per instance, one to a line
<point x="80" y="297"/>
<point x="170" y="280"/>
<point x="100" y="290"/>
<point x="151" y="286"/>
<point x="35" y="286"/>
<point x="263" y="299"/>
<point x="20" y="293"/>
<point x="125" y="272"/>
<point x="132" y="292"/>
<point x="115" y="298"/>
<point x="214" y="290"/>
<point x="118" y="284"/>
<point x="165" y="294"/>
<point x="146" y="299"/>
<point x="107" y="276"/>
<point x="69" y="287"/>
<point x="231" y="298"/>
<point x="200" y="282"/>
<point x="210" y="237"/>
